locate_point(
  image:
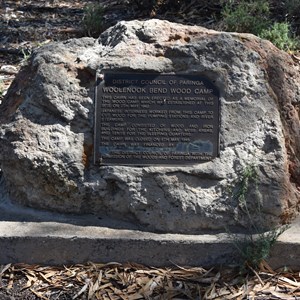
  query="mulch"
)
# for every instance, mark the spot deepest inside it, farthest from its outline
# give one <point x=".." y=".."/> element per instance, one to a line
<point x="132" y="281"/>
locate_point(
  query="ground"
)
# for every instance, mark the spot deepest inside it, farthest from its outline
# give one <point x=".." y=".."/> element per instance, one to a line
<point x="132" y="281"/>
<point x="25" y="25"/>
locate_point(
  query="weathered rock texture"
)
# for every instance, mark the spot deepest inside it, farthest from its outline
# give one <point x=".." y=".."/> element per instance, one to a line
<point x="47" y="130"/>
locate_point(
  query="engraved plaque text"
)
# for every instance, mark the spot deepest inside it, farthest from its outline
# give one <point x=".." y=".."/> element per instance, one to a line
<point x="144" y="119"/>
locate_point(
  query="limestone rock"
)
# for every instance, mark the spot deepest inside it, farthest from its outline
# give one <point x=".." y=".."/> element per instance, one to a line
<point x="46" y="129"/>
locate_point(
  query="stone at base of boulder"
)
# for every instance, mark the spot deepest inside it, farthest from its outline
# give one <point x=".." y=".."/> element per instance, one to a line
<point x="62" y="243"/>
<point x="53" y="243"/>
<point x="286" y="252"/>
<point x="41" y="237"/>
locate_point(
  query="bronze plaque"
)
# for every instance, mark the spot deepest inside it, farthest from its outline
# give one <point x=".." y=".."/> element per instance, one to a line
<point x="145" y="119"/>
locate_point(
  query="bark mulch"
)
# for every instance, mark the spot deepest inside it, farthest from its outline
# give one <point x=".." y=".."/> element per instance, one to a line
<point x="132" y="281"/>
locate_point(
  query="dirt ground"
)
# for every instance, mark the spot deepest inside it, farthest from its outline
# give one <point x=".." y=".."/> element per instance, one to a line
<point x="27" y="24"/>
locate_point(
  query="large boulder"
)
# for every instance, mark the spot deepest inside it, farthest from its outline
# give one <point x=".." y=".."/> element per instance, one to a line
<point x="46" y="130"/>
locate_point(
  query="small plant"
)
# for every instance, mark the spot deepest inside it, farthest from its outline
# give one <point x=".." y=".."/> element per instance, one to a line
<point x="93" y="20"/>
<point x="26" y="55"/>
<point x="279" y="34"/>
<point x="248" y="176"/>
<point x="248" y="182"/>
<point x="1" y="89"/>
<point x="255" y="247"/>
<point x="246" y="16"/>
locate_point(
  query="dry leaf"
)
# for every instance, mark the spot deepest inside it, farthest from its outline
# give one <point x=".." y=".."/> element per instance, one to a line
<point x="4" y="269"/>
<point x="94" y="287"/>
<point x="84" y="288"/>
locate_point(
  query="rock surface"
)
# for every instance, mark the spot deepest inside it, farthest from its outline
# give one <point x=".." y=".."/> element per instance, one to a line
<point x="46" y="130"/>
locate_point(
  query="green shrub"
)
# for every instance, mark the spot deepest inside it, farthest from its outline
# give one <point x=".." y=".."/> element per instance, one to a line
<point x="255" y="247"/>
<point x="93" y="20"/>
<point x="254" y="17"/>
<point x="246" y="16"/>
<point x="279" y="34"/>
